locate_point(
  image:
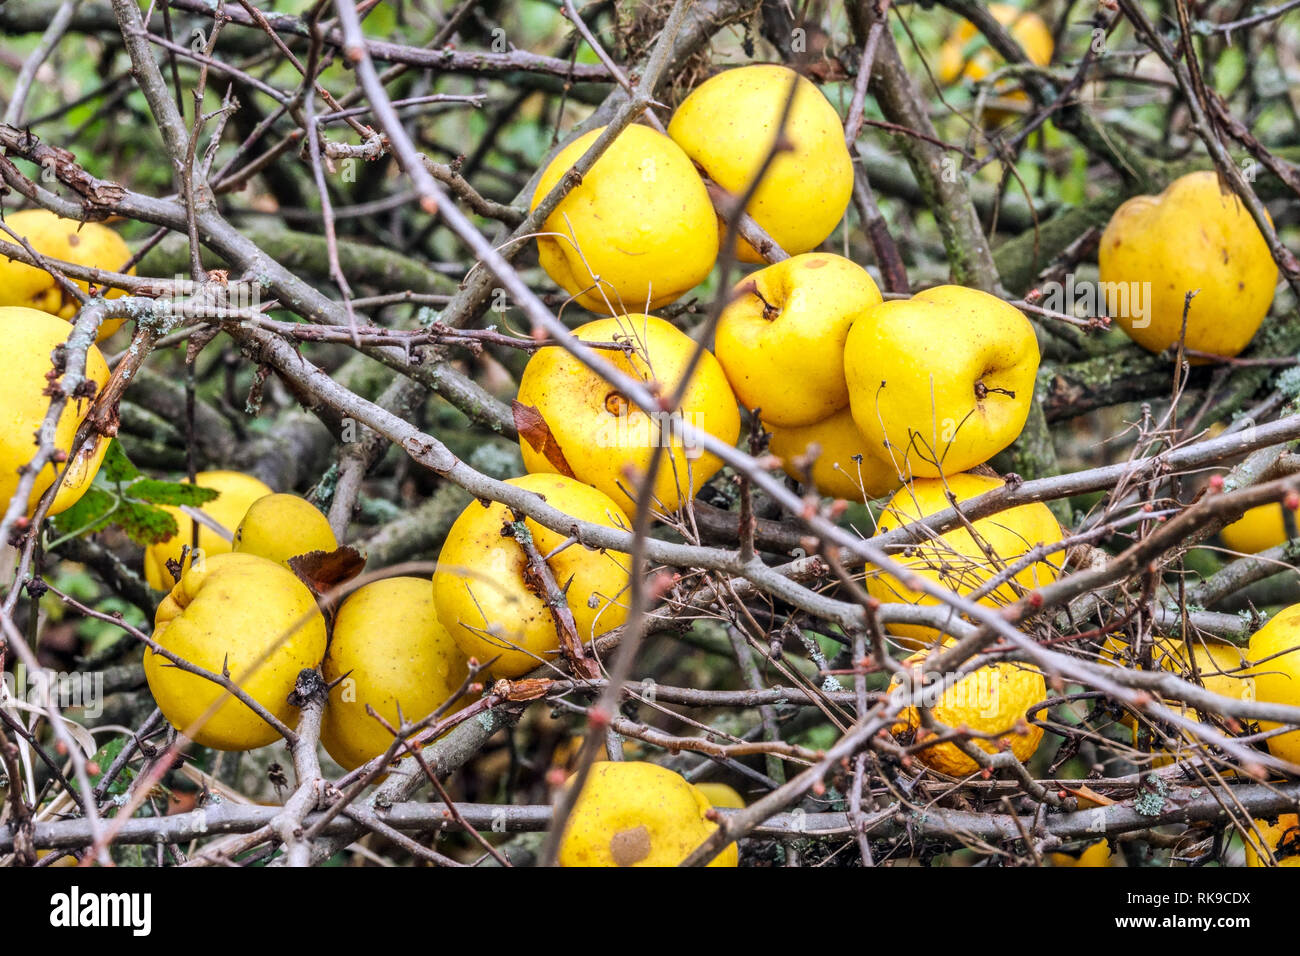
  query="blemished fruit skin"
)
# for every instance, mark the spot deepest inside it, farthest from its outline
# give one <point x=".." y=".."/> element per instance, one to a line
<point x="943" y="380"/>
<point x="232" y="611"/>
<point x="282" y="526"/>
<point x="781" y="339"/>
<point x="1257" y="530"/>
<point x="631" y="813"/>
<point x="991" y="700"/>
<point x="30" y="337"/>
<point x="1193" y="236"/>
<point x="90" y="244"/>
<point x="956" y="560"/>
<point x="603" y="436"/>
<point x="641" y="222"/>
<point x="388" y="640"/>
<point x="958" y="61"/>
<point x="1275" y="658"/>
<point x="721" y="795"/>
<point x="237" y="492"/>
<point x="835" y="472"/>
<point x="729" y="124"/>
<point x="479" y="591"/>
<point x="1281" y="838"/>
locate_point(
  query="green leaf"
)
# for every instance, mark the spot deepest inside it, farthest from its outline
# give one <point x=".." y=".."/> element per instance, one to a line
<point x="145" y="524"/>
<point x="87" y="515"/>
<point x="116" y="467"/>
<point x="170" y="492"/>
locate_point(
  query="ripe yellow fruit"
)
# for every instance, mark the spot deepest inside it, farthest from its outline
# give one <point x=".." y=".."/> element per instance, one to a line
<point x="846" y="466"/>
<point x="943" y="379"/>
<point x="955" y="559"/>
<point x="30" y="337"/>
<point x="636" y="233"/>
<point x="281" y="526"/>
<point x="89" y="244"/>
<point x="728" y="126"/>
<point x="967" y="55"/>
<point x="721" y="795"/>
<point x="388" y="640"/>
<point x="237" y="494"/>
<point x="1275" y="658"/>
<point x="1282" y="840"/>
<point x="1193" y="236"/>
<point x="1221" y="668"/>
<point x="781" y="340"/>
<point x="631" y="813"/>
<point x="607" y="441"/>
<point x="1257" y="530"/>
<point x="992" y="700"/>
<point x="246" y="614"/>
<point x="1099" y="854"/>
<point x="479" y="590"/>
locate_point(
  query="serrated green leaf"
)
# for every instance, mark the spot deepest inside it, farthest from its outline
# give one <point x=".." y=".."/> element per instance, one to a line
<point x="170" y="492"/>
<point x="89" y="514"/>
<point x="116" y="467"/>
<point x="145" y="524"/>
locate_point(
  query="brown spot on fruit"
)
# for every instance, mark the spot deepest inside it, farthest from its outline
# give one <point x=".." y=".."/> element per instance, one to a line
<point x="74" y="239"/>
<point x="617" y="404"/>
<point x="630" y="846"/>
<point x="816" y="263"/>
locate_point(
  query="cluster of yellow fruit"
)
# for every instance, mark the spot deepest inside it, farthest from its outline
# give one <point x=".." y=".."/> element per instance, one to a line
<point x="239" y="608"/>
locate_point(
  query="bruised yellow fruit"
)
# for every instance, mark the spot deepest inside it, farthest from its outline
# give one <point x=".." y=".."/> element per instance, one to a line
<point x="845" y="466"/>
<point x="781" y="340"/>
<point x="729" y="124"/>
<point x="636" y="233"/>
<point x="955" y="559"/>
<point x="631" y="813"/>
<point x="1275" y="663"/>
<point x="966" y="55"/>
<point x="237" y="492"/>
<point x="1193" y="236"/>
<point x="280" y="526"/>
<point x="480" y="592"/>
<point x="944" y="380"/>
<point x="250" y="616"/>
<point x="721" y="795"/>
<point x="991" y="702"/>
<point x="395" y="653"/>
<point x="1257" y="530"/>
<point x="1282" y="839"/>
<point x="1099" y="854"/>
<point x="30" y="338"/>
<point x="604" y="440"/>
<point x="89" y="244"/>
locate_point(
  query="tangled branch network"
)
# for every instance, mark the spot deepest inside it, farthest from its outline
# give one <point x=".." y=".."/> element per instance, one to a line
<point x="658" y="434"/>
